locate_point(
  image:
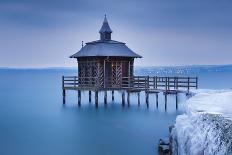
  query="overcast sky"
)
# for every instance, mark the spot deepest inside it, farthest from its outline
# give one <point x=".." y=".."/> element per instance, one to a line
<point x="44" y="33"/>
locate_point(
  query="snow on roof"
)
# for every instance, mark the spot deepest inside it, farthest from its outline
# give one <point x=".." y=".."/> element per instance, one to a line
<point x="105" y="48"/>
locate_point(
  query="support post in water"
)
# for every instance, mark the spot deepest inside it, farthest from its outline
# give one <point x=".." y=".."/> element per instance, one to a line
<point x="123" y="98"/>
<point x="112" y="95"/>
<point x="147" y="98"/>
<point x="176" y="100"/>
<point x="63" y="90"/>
<point x="128" y="98"/>
<point x="63" y="93"/>
<point x="105" y="97"/>
<point x="165" y="100"/>
<point x="90" y="96"/>
<point x="79" y="98"/>
<point x="138" y="98"/>
<point x="157" y="100"/>
<point x="96" y="99"/>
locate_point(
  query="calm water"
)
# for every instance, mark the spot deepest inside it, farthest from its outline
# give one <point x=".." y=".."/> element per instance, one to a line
<point x="34" y="121"/>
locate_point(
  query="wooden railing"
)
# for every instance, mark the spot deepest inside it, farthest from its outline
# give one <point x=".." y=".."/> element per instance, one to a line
<point x="135" y="82"/>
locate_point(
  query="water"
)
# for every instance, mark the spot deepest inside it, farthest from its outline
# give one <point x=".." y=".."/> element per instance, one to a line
<point x="34" y="121"/>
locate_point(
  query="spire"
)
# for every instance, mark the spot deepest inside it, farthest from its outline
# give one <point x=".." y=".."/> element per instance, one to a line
<point x="105" y="31"/>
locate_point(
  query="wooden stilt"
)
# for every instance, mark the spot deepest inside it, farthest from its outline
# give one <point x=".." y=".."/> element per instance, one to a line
<point x="90" y="96"/>
<point x="128" y="98"/>
<point x="176" y="100"/>
<point x="63" y="93"/>
<point x="138" y="98"/>
<point x="96" y="99"/>
<point x="147" y="98"/>
<point x="165" y="101"/>
<point x="105" y="97"/>
<point x="123" y="98"/>
<point x="79" y="98"/>
<point x="112" y="95"/>
<point x="157" y="100"/>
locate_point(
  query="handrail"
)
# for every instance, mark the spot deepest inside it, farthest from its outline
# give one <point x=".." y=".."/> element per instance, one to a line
<point x="134" y="82"/>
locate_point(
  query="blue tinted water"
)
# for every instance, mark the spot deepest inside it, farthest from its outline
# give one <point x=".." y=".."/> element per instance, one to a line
<point x="33" y="120"/>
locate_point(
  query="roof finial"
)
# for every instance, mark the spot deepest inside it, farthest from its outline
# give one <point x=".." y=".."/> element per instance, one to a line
<point x="82" y="44"/>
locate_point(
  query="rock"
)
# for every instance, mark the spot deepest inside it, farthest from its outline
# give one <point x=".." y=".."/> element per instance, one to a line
<point x="164" y="141"/>
<point x="163" y="149"/>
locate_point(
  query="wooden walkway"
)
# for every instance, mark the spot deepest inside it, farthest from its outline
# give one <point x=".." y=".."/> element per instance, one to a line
<point x="135" y="84"/>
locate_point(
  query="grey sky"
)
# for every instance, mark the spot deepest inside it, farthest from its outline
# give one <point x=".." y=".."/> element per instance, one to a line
<point x="165" y="32"/>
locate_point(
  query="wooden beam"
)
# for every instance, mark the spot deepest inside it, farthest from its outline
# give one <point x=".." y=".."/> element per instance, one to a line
<point x="147" y="98"/>
<point x="96" y="99"/>
<point x="176" y="100"/>
<point x="112" y="95"/>
<point x="128" y="98"/>
<point x="157" y="100"/>
<point x="123" y="98"/>
<point x="63" y="93"/>
<point x="165" y="95"/>
<point x="79" y="98"/>
<point x="105" y="97"/>
<point x="90" y="96"/>
<point x="138" y="98"/>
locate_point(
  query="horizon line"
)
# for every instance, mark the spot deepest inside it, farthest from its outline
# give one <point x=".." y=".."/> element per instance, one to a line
<point x="76" y="67"/>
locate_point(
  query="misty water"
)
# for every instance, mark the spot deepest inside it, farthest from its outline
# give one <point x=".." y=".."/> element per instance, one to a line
<point x="34" y="121"/>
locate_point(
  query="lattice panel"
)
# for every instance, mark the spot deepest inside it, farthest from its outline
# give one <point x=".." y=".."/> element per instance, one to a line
<point x="101" y="75"/>
<point x="116" y="74"/>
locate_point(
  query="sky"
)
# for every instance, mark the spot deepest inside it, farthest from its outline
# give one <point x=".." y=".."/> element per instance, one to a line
<point x="44" y="33"/>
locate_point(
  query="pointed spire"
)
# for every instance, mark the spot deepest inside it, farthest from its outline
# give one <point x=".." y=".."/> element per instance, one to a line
<point x="105" y="26"/>
<point x="105" y="31"/>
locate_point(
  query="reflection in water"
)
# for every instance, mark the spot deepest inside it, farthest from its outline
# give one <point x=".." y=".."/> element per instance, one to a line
<point x="34" y="120"/>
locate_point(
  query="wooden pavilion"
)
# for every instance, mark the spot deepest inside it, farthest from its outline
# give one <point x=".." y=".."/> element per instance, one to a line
<point x="108" y="65"/>
<point x="106" y="60"/>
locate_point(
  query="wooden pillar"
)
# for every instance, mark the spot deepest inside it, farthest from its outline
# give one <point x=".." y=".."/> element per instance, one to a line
<point x="123" y="98"/>
<point x="188" y="84"/>
<point x="128" y="98"/>
<point x="63" y="90"/>
<point x="96" y="99"/>
<point x="104" y="73"/>
<point x="105" y="97"/>
<point x="157" y="100"/>
<point x="90" y="96"/>
<point x="63" y="93"/>
<point x="147" y="98"/>
<point x="138" y="98"/>
<point x="112" y="95"/>
<point x="176" y="100"/>
<point x="79" y="98"/>
<point x="165" y="101"/>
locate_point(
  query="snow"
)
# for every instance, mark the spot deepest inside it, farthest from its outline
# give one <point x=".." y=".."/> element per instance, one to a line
<point x="206" y="127"/>
<point x="211" y="101"/>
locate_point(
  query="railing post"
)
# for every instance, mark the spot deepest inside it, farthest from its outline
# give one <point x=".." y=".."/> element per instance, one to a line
<point x="188" y="84"/>
<point x="154" y="83"/>
<point x="196" y="82"/>
<point x="62" y="82"/>
<point x="63" y="90"/>
<point x="147" y="82"/>
<point x="177" y="82"/>
<point x="166" y="86"/>
<point x="74" y="81"/>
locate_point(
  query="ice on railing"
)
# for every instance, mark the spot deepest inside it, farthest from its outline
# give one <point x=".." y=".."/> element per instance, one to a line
<point x="206" y="127"/>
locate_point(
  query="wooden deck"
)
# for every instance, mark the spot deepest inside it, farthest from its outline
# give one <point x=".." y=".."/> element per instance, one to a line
<point x="135" y="84"/>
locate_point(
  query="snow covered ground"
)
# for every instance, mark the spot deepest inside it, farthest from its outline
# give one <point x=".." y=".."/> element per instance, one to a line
<point x="206" y="127"/>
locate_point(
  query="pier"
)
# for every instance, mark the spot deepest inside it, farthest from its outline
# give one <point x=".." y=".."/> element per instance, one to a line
<point x="130" y="85"/>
